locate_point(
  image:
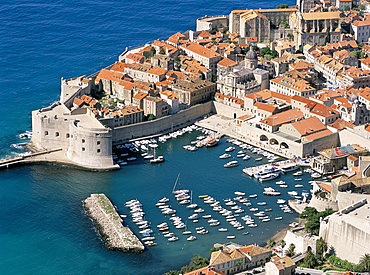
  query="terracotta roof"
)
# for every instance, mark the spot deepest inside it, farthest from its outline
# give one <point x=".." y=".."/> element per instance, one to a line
<point x="363" y="23"/>
<point x="198" y="49"/>
<point x="254" y="250"/>
<point x="302" y="65"/>
<point x="119" y="67"/>
<point x="265" y="107"/>
<point x="109" y="75"/>
<point x="326" y="187"/>
<point x="140" y="96"/>
<point x="318" y="134"/>
<point x="308" y="126"/>
<point x="157" y="71"/>
<point x="175" y="37"/>
<point x="283" y="117"/>
<point x="226" y="62"/>
<point x="341" y="124"/>
<point x="78" y="101"/>
<point x="321" y="15"/>
<point x="208" y="270"/>
<point x="244" y="117"/>
<point x="130" y="110"/>
<point x="282" y="263"/>
<point x="352" y="158"/>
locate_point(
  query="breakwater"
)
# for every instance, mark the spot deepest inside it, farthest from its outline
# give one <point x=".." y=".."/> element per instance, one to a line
<point x="109" y="224"/>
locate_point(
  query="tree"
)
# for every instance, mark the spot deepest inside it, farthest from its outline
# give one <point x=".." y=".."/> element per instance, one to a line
<point x="282" y="243"/>
<point x="256" y="49"/>
<point x="161" y="51"/>
<point x="285" y="24"/>
<point x="291" y="252"/>
<point x="213" y="249"/>
<point x="365" y="262"/>
<point x="290" y="36"/>
<point x="151" y="117"/>
<point x="321" y="248"/>
<point x="152" y="52"/>
<point x="282" y="6"/>
<point x="310" y="259"/>
<point x="199" y="261"/>
<point x="265" y="51"/>
<point x="271" y="243"/>
<point x="347" y="8"/>
<point x="362" y="7"/>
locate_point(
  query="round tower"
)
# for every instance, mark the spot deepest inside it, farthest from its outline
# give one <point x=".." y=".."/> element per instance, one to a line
<point x="251" y="60"/>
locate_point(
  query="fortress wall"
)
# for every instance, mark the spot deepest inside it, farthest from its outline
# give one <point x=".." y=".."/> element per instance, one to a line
<point x="348" y="137"/>
<point x="209" y="23"/>
<point x="162" y="125"/>
<point x="301" y="242"/>
<point x="345" y="198"/>
<point x="312" y="147"/>
<point x="228" y="111"/>
<point x="322" y="204"/>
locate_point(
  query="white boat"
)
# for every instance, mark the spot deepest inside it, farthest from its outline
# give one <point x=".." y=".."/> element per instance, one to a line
<point x="261" y="203"/>
<point x="252" y="225"/>
<point x="280" y="182"/>
<point x="186" y="232"/>
<point x="240" y="155"/>
<point x="288" y="168"/>
<point x="238" y="193"/>
<point x="193" y="217"/>
<point x="267" y="171"/>
<point x="253" y="209"/>
<point x="168" y="235"/>
<point x="292" y="193"/>
<point x="131" y="159"/>
<point x="246" y="157"/>
<point x="173" y="239"/>
<point x="148" y="157"/>
<point x="268" y="177"/>
<point x="230" y="237"/>
<point x="298" y="179"/>
<point x="299" y="173"/>
<point x="207" y="216"/>
<point x="158" y="159"/>
<point x="278" y="218"/>
<point x="298" y="185"/>
<point x="280" y="201"/>
<point x="199" y="210"/>
<point x="225" y="156"/>
<point x="164" y="199"/>
<point x="315" y="175"/>
<point x="230" y="149"/>
<point x="191" y="238"/>
<point x="232" y="163"/>
<point x="269" y="191"/>
<point x="192" y="206"/>
<point x="222" y="229"/>
<point x="253" y="196"/>
<point x="258" y="159"/>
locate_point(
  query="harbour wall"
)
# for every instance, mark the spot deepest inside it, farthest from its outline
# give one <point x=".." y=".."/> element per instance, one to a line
<point x="161" y="125"/>
<point x="348" y="137"/>
<point x="109" y="224"/>
<point x="228" y="111"/>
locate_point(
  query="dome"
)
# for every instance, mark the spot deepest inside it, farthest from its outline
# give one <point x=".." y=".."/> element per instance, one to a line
<point x="251" y="55"/>
<point x="352" y="98"/>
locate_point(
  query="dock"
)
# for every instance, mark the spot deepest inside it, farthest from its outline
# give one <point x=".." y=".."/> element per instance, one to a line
<point x="109" y="224"/>
<point x="250" y="171"/>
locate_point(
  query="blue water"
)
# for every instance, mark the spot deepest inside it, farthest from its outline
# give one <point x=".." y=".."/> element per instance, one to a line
<point x="42" y="226"/>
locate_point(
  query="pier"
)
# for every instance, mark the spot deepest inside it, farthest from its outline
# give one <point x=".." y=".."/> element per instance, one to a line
<point x="204" y="141"/>
<point x="109" y="224"/>
<point x="253" y="169"/>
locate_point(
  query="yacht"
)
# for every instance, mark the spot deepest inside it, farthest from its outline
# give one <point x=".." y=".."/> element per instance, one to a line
<point x="299" y="173"/>
<point x="230" y="237"/>
<point x="238" y="193"/>
<point x="159" y="159"/>
<point x="270" y="176"/>
<point x="298" y="186"/>
<point x="225" y="156"/>
<point x="266" y="171"/>
<point x="258" y="159"/>
<point x="292" y="193"/>
<point x="230" y="149"/>
<point x="290" y="167"/>
<point x="212" y="142"/>
<point x="246" y="157"/>
<point x="222" y="229"/>
<point x="280" y="201"/>
<point x="232" y="163"/>
<point x="315" y="175"/>
<point x="191" y="238"/>
<point x="269" y="191"/>
<point x="173" y="239"/>
<point x="280" y="182"/>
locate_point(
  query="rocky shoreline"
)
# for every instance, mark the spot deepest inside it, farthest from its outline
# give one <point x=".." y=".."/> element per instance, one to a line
<point x="109" y="224"/>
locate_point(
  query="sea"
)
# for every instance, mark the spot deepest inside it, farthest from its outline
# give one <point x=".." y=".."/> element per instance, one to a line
<point x="43" y="228"/>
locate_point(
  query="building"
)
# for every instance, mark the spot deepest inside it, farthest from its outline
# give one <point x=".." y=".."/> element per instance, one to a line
<point x="348" y="231"/>
<point x="361" y="30"/>
<point x="207" y="270"/>
<point x="291" y="84"/>
<point x="280" y="266"/>
<point x="313" y="27"/>
<point x="273" y="123"/>
<point x="243" y="79"/>
<point x="191" y="92"/>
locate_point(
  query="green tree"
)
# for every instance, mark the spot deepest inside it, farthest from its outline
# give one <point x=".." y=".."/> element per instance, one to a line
<point x="282" y="6"/>
<point x="161" y="51"/>
<point x="256" y="49"/>
<point x="271" y="243"/>
<point x="290" y="36"/>
<point x="365" y="262"/>
<point x="151" y="117"/>
<point x="347" y="8"/>
<point x="321" y="248"/>
<point x="362" y="7"/>
<point x="282" y="243"/>
<point x="199" y="261"/>
<point x="152" y="52"/>
<point x="310" y="259"/>
<point x="285" y="24"/>
<point x="291" y="252"/>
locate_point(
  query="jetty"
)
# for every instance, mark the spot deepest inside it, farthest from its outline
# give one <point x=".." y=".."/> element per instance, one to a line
<point x="109" y="224"/>
<point x="250" y="171"/>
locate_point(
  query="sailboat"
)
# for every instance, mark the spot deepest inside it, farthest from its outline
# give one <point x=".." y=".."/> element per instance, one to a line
<point x="179" y="191"/>
<point x="192" y="205"/>
<point x="158" y="159"/>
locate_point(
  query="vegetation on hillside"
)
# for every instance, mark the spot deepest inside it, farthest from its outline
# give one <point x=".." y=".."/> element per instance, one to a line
<point x="312" y="216"/>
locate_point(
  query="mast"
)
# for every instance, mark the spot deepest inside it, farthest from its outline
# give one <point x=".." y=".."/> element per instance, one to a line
<point x="173" y="190"/>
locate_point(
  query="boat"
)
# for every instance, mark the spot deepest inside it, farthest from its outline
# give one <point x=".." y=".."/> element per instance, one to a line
<point x="280" y="182"/>
<point x="212" y="142"/>
<point x="267" y="177"/>
<point x="269" y="191"/>
<point x="222" y="229"/>
<point x="173" y="239"/>
<point x="131" y="158"/>
<point x="230" y="149"/>
<point x="230" y="237"/>
<point x="298" y="179"/>
<point x="292" y="193"/>
<point x="186" y="232"/>
<point x="268" y="209"/>
<point x="240" y="155"/>
<point x="299" y="173"/>
<point x="225" y="156"/>
<point x="158" y="159"/>
<point x="284" y="186"/>
<point x="266" y="171"/>
<point x="149" y="157"/>
<point x="278" y="218"/>
<point x="164" y="199"/>
<point x="238" y="193"/>
<point x="288" y="168"/>
<point x="152" y="244"/>
<point x="163" y="228"/>
<point x="232" y="163"/>
<point x="192" y="238"/>
<point x="252" y="225"/>
<point x="261" y="203"/>
<point x="280" y="201"/>
<point x="245" y="233"/>
<point x="207" y="216"/>
<point x="193" y="217"/>
<point x="192" y="206"/>
<point x="298" y="185"/>
<point x="168" y="235"/>
<point x="253" y="196"/>
<point x="246" y="157"/>
<point x="315" y="175"/>
<point x="258" y="159"/>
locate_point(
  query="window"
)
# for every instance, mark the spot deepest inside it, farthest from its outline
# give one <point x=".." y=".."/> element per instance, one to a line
<point x="46" y="133"/>
<point x="98" y="142"/>
<point x="67" y="135"/>
<point x="57" y="134"/>
<point x="98" y="151"/>
<point x="83" y="149"/>
<point x="83" y="140"/>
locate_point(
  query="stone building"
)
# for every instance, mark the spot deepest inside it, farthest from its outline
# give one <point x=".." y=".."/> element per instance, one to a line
<point x="191" y="92"/>
<point x="313" y="27"/>
<point x="155" y="106"/>
<point x="243" y="79"/>
<point x="280" y="266"/>
<point x="162" y="61"/>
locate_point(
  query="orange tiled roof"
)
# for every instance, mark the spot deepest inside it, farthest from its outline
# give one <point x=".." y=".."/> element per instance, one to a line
<point x="205" y="270"/>
<point x="283" y="117"/>
<point x="308" y="126"/>
<point x="109" y="75"/>
<point x="198" y="49"/>
<point x="265" y="107"/>
<point x="326" y="187"/>
<point x="226" y="62"/>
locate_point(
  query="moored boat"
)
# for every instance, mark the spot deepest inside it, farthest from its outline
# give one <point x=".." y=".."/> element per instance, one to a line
<point x="232" y="163"/>
<point x="267" y="177"/>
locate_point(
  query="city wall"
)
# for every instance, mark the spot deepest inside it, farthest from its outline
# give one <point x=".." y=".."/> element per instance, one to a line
<point x="321" y="204"/>
<point x="301" y="242"/>
<point x="161" y="125"/>
<point x="208" y="23"/>
<point x="346" y="199"/>
<point x="348" y="137"/>
<point x="228" y="111"/>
